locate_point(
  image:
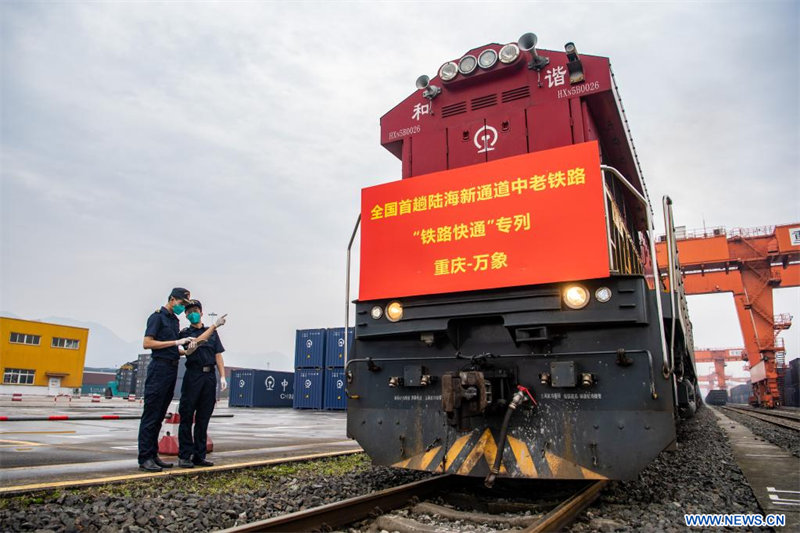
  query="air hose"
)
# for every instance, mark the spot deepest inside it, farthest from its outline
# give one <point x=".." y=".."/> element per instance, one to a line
<point x="517" y="400"/>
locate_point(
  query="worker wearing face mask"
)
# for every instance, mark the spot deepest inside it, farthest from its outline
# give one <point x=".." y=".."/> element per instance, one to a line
<point x="162" y="337"/>
<point x="199" y="389"/>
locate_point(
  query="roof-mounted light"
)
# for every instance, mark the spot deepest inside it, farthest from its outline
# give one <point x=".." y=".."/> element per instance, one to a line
<point x="467" y="64"/>
<point x="448" y="71"/>
<point x="509" y="53"/>
<point x="487" y="58"/>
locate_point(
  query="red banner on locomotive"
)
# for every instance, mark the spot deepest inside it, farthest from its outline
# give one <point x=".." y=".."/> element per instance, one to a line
<point x="523" y="220"/>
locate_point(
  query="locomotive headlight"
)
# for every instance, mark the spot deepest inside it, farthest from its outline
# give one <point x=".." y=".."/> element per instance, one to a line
<point x="487" y="58"/>
<point x="394" y="311"/>
<point x="448" y="71"/>
<point x="576" y="297"/>
<point x="509" y="53"/>
<point x="467" y="64"/>
<point x="376" y="312"/>
<point x="603" y="294"/>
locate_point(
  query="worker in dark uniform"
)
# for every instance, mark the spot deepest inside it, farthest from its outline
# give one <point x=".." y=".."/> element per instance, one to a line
<point x="161" y="336"/>
<point x="199" y="389"/>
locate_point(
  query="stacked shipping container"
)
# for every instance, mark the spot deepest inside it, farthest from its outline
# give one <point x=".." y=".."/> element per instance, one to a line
<point x="309" y="362"/>
<point x="741" y="393"/>
<point x="791" y="391"/>
<point x="141" y="373"/>
<point x="335" y="397"/>
<point x="319" y="368"/>
<point x="127" y="377"/>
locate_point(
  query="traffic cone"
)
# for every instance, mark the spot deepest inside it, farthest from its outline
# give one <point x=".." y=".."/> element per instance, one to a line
<point x="95" y="398"/>
<point x="168" y="436"/>
<point x="16" y="397"/>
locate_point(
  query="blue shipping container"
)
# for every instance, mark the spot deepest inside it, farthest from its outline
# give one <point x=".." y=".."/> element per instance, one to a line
<point x="309" y="348"/>
<point x="241" y="388"/>
<point x="335" y="397"/>
<point x="308" y="386"/>
<point x="261" y="388"/>
<point x="334" y="346"/>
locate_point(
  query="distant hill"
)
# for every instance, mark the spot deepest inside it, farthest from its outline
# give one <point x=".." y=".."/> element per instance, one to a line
<point x="104" y="349"/>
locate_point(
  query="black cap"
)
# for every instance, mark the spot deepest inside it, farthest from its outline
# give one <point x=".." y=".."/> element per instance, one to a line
<point x="194" y="303"/>
<point x="179" y="293"/>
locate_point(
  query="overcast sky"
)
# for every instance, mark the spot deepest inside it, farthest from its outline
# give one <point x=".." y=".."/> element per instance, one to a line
<point x="222" y="146"/>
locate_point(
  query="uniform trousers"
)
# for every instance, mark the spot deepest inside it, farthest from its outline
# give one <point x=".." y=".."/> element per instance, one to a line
<point x="198" y="396"/>
<point x="159" y="388"/>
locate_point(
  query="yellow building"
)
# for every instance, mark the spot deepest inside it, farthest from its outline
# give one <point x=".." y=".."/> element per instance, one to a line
<point x="40" y="358"/>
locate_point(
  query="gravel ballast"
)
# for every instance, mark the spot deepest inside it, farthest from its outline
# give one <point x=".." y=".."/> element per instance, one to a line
<point x="195" y="503"/>
<point x="700" y="477"/>
<point x="787" y="439"/>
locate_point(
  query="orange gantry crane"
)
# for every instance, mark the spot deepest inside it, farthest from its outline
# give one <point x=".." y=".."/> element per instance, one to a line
<point x="749" y="263"/>
<point x="719" y="357"/>
<point x="712" y="380"/>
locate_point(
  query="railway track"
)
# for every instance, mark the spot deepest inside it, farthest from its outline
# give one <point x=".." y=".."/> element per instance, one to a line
<point x="378" y="511"/>
<point x="784" y="419"/>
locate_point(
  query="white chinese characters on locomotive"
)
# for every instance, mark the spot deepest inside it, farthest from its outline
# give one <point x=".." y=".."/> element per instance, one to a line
<point x="509" y="322"/>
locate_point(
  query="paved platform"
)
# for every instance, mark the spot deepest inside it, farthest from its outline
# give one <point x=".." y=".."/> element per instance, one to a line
<point x="773" y="473"/>
<point x="37" y="451"/>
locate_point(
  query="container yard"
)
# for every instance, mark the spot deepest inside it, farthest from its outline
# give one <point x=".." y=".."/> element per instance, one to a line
<point x="408" y="268"/>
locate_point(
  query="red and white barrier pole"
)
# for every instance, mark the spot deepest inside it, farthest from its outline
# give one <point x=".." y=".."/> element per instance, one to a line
<point x="4" y="418"/>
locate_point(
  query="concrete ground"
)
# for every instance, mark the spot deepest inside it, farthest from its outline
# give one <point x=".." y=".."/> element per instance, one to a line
<point x="46" y="451"/>
<point x="773" y="473"/>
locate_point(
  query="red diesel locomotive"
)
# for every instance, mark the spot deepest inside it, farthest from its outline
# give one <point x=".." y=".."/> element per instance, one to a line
<point x="509" y="322"/>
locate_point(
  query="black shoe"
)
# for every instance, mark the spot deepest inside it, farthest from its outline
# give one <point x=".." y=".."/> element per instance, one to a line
<point x="185" y="463"/>
<point x="203" y="463"/>
<point x="150" y="466"/>
<point x="162" y="464"/>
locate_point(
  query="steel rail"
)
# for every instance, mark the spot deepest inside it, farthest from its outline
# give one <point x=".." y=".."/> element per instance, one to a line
<point x="45" y="418"/>
<point x="772" y="419"/>
<point x="125" y="478"/>
<point x="789" y="415"/>
<point x="337" y="514"/>
<point x="567" y="512"/>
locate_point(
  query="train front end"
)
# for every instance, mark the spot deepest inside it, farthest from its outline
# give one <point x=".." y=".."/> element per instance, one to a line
<point x="508" y="323"/>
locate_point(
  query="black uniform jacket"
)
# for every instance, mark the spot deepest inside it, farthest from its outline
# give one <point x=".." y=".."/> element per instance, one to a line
<point x="205" y="354"/>
<point x="163" y="325"/>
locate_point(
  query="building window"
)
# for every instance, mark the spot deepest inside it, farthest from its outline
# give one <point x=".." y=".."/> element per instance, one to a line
<point x="18" y="376"/>
<point x="25" y="338"/>
<point x="71" y="344"/>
